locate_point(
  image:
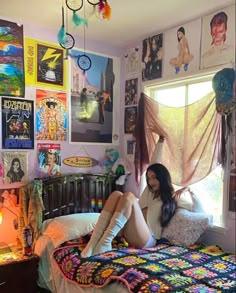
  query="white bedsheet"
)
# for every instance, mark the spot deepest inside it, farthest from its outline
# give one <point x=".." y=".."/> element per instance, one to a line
<point x="51" y="278"/>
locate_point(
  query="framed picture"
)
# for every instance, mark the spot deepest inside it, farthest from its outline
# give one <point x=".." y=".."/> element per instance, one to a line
<point x="131" y="91"/>
<point x="17" y="123"/>
<point x="12" y="59"/>
<point x="130" y="146"/>
<point x="218" y="38"/>
<point x="130" y="119"/>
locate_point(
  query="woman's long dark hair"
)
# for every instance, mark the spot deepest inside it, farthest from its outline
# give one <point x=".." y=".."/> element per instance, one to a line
<point x="166" y="190"/>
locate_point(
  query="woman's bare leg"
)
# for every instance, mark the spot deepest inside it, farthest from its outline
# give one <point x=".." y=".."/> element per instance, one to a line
<point x="103" y="222"/>
<point x="127" y="215"/>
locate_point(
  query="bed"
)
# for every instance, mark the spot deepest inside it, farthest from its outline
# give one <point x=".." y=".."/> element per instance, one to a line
<point x="179" y="262"/>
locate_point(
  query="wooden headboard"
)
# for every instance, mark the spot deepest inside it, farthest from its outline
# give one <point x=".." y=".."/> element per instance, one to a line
<point x="76" y="193"/>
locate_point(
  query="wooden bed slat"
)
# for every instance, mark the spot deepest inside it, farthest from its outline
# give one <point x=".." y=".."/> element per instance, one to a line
<point x="76" y="193"/>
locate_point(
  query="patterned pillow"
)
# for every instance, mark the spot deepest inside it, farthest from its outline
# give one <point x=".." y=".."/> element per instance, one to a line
<point x="186" y="227"/>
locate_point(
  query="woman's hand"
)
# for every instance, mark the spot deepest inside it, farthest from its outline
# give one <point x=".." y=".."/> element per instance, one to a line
<point x="178" y="192"/>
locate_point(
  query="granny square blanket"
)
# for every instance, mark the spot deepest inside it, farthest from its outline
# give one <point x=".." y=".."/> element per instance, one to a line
<point x="164" y="268"/>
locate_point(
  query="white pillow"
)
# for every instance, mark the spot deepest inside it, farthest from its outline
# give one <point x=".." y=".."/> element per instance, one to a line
<point x="61" y="229"/>
<point x="186" y="227"/>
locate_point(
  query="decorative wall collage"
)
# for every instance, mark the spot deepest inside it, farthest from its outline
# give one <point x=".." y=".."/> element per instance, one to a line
<point x="175" y="52"/>
<point x="39" y="70"/>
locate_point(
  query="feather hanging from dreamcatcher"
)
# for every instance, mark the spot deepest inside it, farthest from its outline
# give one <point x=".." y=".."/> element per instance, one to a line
<point x="77" y="20"/>
<point x="107" y="11"/>
<point x="104" y="9"/>
<point x="61" y="35"/>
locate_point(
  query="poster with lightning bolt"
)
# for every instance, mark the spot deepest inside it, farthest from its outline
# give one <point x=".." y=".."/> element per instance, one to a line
<point x="45" y="65"/>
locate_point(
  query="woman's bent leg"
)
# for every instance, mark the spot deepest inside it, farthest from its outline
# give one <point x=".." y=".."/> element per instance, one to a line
<point x="128" y="215"/>
<point x="103" y="222"/>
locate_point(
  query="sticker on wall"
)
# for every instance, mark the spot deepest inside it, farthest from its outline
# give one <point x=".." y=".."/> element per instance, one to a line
<point x="45" y="65"/>
<point x="218" y="38"/>
<point x="80" y="162"/>
<point x="17" y="123"/>
<point x="12" y="81"/>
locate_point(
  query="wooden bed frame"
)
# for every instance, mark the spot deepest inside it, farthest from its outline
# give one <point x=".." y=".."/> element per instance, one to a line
<point x="76" y="193"/>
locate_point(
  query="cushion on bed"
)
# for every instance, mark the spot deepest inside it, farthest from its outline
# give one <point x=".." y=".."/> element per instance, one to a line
<point x="64" y="228"/>
<point x="186" y="227"/>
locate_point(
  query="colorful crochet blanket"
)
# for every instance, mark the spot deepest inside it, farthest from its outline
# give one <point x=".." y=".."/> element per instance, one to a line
<point x="164" y="268"/>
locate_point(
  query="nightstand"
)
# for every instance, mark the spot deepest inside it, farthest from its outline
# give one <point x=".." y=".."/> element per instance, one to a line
<point x="19" y="275"/>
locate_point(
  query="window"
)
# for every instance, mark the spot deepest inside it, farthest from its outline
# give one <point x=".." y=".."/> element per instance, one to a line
<point x="210" y="189"/>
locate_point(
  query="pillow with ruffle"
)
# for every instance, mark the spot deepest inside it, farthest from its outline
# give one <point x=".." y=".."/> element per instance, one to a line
<point x="186" y="227"/>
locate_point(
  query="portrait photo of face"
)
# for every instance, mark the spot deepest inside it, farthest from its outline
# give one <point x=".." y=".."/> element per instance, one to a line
<point x="218" y="38"/>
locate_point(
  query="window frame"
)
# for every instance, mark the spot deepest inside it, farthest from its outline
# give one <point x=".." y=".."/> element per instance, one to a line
<point x="185" y="81"/>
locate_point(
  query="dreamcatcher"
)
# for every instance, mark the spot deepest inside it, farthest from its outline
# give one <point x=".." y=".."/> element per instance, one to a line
<point x="100" y="8"/>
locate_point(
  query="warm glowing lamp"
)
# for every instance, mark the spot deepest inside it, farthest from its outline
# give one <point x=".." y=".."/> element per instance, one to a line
<point x="15" y="221"/>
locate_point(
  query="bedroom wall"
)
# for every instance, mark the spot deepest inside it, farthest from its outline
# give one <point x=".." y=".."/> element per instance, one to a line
<point x="224" y="238"/>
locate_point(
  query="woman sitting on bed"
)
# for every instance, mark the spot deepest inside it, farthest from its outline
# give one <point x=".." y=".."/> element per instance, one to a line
<point x="139" y="222"/>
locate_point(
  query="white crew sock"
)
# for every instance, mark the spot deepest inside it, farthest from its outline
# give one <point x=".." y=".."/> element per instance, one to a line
<point x="103" y="222"/>
<point x="117" y="223"/>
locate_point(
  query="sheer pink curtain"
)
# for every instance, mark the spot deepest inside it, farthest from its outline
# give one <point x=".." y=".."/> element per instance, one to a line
<point x="192" y="147"/>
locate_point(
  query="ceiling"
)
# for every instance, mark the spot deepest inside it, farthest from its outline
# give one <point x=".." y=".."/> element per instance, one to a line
<point x="131" y="20"/>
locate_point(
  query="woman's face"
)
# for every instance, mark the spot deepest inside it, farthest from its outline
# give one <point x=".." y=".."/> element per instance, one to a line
<point x="180" y="35"/>
<point x="153" y="181"/>
<point x="218" y="33"/>
<point x="51" y="159"/>
<point x="16" y="166"/>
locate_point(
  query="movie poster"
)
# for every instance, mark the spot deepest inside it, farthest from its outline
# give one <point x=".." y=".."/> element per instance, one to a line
<point x="17" y="123"/>
<point x="49" y="159"/>
<point x="15" y="166"/>
<point x="51" y="115"/>
<point x="12" y="81"/>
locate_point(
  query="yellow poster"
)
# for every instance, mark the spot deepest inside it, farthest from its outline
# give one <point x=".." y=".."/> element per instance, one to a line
<point x="45" y="65"/>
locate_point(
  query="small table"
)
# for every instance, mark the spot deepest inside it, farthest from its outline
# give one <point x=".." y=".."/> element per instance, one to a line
<point x="18" y="273"/>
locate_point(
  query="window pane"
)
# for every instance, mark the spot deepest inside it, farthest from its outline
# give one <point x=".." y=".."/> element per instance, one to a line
<point x="197" y="91"/>
<point x="172" y="97"/>
<point x="210" y="193"/>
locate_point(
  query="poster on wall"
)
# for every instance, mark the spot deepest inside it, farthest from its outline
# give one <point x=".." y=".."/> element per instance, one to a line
<point x="17" y="123"/>
<point x="218" y="38"/>
<point x="12" y="80"/>
<point x="131" y="91"/>
<point x="130" y="119"/>
<point x="49" y="159"/>
<point x="51" y="115"/>
<point x="181" y="48"/>
<point x="45" y="65"/>
<point x="15" y="166"/>
<point x="92" y="100"/>
<point x="132" y="62"/>
<point x="152" y="55"/>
